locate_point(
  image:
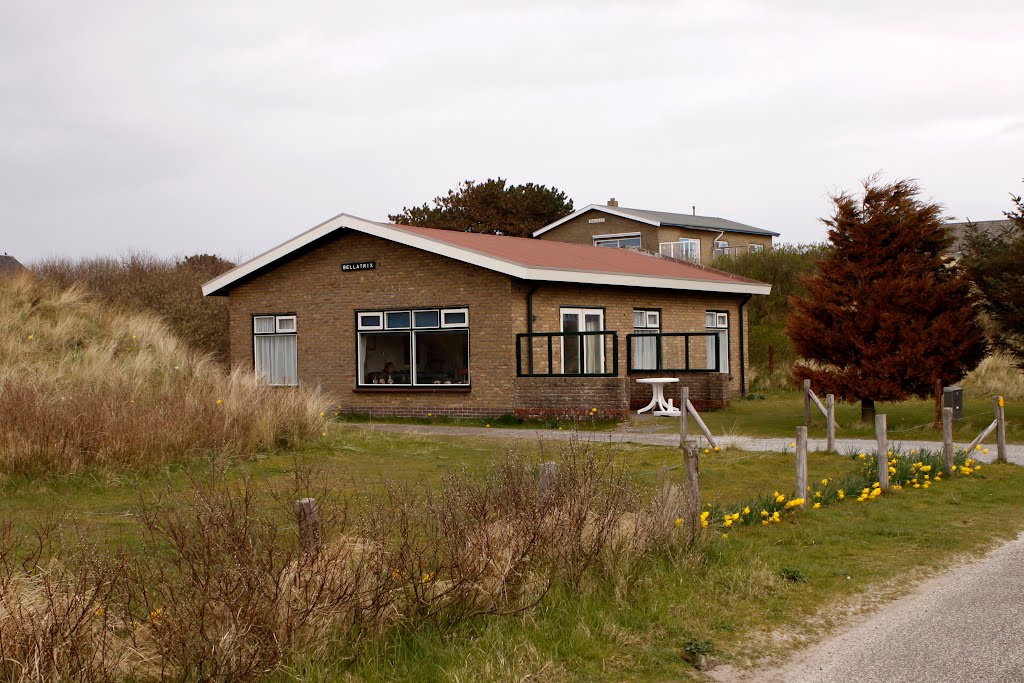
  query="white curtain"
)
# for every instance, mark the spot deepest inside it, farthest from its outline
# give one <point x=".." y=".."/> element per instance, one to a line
<point x="723" y="349"/>
<point x="645" y="350"/>
<point x="594" y="344"/>
<point x="277" y="358"/>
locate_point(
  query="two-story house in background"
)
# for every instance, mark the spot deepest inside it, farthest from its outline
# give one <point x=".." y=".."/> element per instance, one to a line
<point x="688" y="237"/>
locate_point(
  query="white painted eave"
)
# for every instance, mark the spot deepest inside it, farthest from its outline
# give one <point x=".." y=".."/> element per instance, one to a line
<point x="490" y="262"/>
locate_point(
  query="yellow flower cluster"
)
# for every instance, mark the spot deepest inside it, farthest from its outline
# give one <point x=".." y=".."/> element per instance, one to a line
<point x="730" y="519"/>
<point x="779" y="498"/>
<point x="795" y="502"/>
<point x="768" y="519"/>
<point x="870" y="493"/>
<point x="704" y="518"/>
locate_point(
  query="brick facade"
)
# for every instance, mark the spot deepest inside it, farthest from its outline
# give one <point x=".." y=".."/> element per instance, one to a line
<point x="580" y="230"/>
<point x="312" y="286"/>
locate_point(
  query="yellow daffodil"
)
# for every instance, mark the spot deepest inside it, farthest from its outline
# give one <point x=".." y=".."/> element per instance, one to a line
<point x="817" y="505"/>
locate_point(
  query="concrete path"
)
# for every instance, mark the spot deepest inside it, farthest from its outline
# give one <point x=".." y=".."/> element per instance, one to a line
<point x="1015" y="452"/>
<point x="964" y="626"/>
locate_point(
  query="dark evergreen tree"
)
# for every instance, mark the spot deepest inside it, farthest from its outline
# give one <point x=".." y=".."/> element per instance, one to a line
<point x="490" y="207"/>
<point x="887" y="312"/>
<point x="995" y="262"/>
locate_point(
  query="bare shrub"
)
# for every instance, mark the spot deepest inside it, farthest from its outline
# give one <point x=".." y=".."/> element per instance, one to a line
<point x="170" y="289"/>
<point x="82" y="384"/>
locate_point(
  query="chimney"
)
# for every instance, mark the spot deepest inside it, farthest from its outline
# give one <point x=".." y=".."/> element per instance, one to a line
<point x="613" y="202"/>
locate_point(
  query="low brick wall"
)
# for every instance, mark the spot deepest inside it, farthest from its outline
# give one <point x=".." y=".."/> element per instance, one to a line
<point x="571" y="397"/>
<point x="708" y="390"/>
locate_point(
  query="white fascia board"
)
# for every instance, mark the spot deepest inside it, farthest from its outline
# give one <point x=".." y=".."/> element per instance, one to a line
<point x="615" y="234"/>
<point x="395" y="234"/>
<point x="597" y="207"/>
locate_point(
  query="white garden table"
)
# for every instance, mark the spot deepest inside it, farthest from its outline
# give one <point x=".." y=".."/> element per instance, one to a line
<point x="658" y="399"/>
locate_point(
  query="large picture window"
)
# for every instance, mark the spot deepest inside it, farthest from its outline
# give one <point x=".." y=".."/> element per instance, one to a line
<point x="416" y="347"/>
<point x="275" y="349"/>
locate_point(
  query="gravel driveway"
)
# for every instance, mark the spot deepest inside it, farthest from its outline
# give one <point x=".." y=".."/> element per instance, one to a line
<point x="1015" y="452"/>
<point x="966" y="625"/>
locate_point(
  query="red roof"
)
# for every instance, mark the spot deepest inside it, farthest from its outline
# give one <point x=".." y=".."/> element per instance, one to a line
<point x="579" y="257"/>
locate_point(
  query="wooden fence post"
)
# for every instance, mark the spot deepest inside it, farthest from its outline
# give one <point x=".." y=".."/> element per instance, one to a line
<point x="801" y="464"/>
<point x="1000" y="429"/>
<point x="692" y="488"/>
<point x="548" y="474"/>
<point x="947" y="438"/>
<point x="309" y="525"/>
<point x="807" y="403"/>
<point x="881" y="434"/>
<point x="830" y="418"/>
<point x="684" y="399"/>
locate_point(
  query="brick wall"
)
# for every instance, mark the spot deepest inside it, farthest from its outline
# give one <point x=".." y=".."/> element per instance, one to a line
<point x="708" y="390"/>
<point x="581" y="231"/>
<point x="312" y="286"/>
<point x="571" y="396"/>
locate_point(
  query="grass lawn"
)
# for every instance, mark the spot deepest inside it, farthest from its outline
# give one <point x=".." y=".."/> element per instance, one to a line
<point x="758" y="592"/>
<point x="779" y="414"/>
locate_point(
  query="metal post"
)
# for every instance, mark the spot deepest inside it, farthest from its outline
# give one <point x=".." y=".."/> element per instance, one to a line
<point x="881" y="434"/>
<point x="801" y="464"/>
<point x="947" y="438"/>
<point x="1000" y="429"/>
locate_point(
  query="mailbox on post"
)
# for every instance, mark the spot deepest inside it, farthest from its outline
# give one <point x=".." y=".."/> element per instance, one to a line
<point x="953" y="397"/>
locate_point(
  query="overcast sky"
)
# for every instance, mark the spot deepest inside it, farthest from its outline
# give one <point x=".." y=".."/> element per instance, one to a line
<point x="228" y="127"/>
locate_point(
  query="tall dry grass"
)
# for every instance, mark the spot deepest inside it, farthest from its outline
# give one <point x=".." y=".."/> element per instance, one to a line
<point x="167" y="288"/>
<point x="85" y="384"/>
<point x="224" y="589"/>
<point x="995" y="376"/>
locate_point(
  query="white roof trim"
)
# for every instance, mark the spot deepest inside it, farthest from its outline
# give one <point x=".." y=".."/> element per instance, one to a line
<point x="600" y="207"/>
<point x="614" y="235"/>
<point x="397" y="235"/>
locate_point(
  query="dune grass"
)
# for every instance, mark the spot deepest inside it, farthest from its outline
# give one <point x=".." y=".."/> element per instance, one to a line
<point x="85" y="385"/>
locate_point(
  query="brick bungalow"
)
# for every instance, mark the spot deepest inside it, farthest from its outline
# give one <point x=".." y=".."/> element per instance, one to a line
<point x="400" y="320"/>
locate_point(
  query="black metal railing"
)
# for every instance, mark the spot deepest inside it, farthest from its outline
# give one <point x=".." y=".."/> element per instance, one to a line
<point x="577" y="354"/>
<point x="692" y="361"/>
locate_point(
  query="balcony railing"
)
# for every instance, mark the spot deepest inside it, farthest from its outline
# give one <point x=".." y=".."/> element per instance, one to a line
<point x="684" y="251"/>
<point x="567" y="354"/>
<point x="674" y="352"/>
<point x="737" y="250"/>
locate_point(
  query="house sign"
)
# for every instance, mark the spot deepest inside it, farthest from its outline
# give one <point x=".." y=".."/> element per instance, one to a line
<point x="360" y="265"/>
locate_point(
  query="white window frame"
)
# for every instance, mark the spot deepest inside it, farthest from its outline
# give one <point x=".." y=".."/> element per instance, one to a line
<point x="755" y="248"/>
<point x="426" y="327"/>
<point x="581" y="317"/>
<point x="277" y="332"/>
<point x="718" y="322"/>
<point x="446" y="311"/>
<point x="404" y="327"/>
<point x="606" y="240"/>
<point x="363" y="326"/>
<point x="651" y="324"/>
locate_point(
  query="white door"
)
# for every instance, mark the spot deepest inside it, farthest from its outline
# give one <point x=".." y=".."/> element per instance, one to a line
<point x="582" y="354"/>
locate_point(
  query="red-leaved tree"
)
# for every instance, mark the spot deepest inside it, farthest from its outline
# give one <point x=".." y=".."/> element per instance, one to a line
<point x="887" y="312"/>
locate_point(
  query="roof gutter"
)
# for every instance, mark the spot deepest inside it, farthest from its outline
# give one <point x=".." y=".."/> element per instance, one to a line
<point x="743" y="354"/>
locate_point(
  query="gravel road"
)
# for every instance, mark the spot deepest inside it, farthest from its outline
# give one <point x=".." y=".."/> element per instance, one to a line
<point x="1014" y="452"/>
<point x="966" y="625"/>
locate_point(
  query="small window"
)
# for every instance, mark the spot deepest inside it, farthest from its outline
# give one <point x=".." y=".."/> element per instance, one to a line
<point x="263" y="324"/>
<point x="755" y="248"/>
<point x="718" y="321"/>
<point x="455" y="317"/>
<point x="644" y="351"/>
<point x="617" y="241"/>
<point x="426" y="319"/>
<point x="722" y="320"/>
<point x="275" y="349"/>
<point x="646" y="319"/>
<point x="371" y="321"/>
<point x="396" y="320"/>
<point x="721" y="244"/>
<point x="653" y="319"/>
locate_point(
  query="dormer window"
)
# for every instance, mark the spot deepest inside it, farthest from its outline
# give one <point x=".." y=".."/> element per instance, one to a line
<point x="630" y="239"/>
